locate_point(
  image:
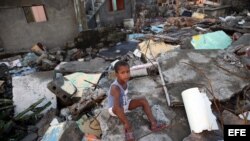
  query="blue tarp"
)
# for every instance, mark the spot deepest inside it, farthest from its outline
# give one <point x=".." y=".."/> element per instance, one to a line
<point x="158" y="28"/>
<point x="213" y="40"/>
<point x="135" y="36"/>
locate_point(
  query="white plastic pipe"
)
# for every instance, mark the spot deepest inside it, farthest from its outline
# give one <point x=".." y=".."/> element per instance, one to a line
<point x="198" y="110"/>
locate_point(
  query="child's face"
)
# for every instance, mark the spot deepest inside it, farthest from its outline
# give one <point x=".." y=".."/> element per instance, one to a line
<point x="123" y="73"/>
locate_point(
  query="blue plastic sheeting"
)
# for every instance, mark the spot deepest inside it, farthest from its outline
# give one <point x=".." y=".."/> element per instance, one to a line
<point x="213" y="40"/>
<point x="29" y="58"/>
<point x="135" y="36"/>
<point x="158" y="28"/>
<point x="54" y="133"/>
<point x="22" y="71"/>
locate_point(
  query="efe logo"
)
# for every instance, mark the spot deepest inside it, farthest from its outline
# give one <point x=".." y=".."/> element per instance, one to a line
<point x="236" y="132"/>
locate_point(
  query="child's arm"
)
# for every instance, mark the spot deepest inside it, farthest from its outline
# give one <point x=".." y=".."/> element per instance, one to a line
<point x="117" y="109"/>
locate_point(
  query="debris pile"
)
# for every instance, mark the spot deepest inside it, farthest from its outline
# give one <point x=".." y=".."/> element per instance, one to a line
<point x="171" y="48"/>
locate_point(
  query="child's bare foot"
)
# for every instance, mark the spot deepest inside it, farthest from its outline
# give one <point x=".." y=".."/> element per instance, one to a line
<point x="155" y="127"/>
<point x="129" y="136"/>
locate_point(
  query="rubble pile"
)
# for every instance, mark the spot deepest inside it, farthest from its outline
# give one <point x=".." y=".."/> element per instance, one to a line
<point x="172" y="47"/>
<point x="16" y="127"/>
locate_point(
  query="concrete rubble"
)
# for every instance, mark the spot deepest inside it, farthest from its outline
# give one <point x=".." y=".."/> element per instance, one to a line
<point x="60" y="94"/>
<point x="197" y="68"/>
<point x="32" y="88"/>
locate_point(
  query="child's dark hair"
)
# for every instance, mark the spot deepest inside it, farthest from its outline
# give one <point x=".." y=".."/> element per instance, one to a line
<point x="119" y="64"/>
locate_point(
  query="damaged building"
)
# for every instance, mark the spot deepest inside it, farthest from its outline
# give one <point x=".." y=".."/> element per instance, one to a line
<point x="189" y="59"/>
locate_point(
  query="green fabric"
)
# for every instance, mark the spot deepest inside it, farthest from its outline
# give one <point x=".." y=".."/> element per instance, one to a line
<point x="213" y="40"/>
<point x="114" y="5"/>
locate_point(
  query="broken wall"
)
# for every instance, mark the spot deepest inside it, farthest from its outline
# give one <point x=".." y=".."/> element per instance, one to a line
<point x="109" y="18"/>
<point x="18" y="35"/>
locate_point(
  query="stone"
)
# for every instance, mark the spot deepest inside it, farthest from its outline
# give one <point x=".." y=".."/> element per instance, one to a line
<point x="243" y="40"/>
<point x="44" y="123"/>
<point x="72" y="132"/>
<point x="32" y="128"/>
<point x="231" y="119"/>
<point x="70" y="53"/>
<point x="64" y="131"/>
<point x="159" y="114"/>
<point x="241" y="48"/>
<point x="30" y="137"/>
<point x="205" y="136"/>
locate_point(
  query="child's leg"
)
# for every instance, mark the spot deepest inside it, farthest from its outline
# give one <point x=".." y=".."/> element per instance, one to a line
<point x="122" y="117"/>
<point x="142" y="102"/>
<point x="119" y="112"/>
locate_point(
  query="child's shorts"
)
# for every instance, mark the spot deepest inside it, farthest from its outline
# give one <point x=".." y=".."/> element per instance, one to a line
<point x="125" y="107"/>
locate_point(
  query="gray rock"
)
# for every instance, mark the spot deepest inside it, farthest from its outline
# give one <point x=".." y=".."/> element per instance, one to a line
<point x="231" y="119"/>
<point x="44" y="123"/>
<point x="243" y="40"/>
<point x="32" y="128"/>
<point x="159" y="114"/>
<point x="155" y="137"/>
<point x="205" y="136"/>
<point x="63" y="132"/>
<point x="71" y="133"/>
<point x="30" y="137"/>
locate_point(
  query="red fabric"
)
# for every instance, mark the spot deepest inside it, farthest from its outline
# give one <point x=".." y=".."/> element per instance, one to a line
<point x="120" y="4"/>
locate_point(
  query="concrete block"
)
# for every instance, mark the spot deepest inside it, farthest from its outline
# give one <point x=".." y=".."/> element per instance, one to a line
<point x="186" y="68"/>
<point x="30" y="88"/>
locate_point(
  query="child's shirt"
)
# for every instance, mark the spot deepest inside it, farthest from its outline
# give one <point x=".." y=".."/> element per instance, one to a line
<point x="123" y="95"/>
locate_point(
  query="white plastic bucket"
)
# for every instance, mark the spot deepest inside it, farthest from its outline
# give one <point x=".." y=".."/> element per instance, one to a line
<point x="128" y="23"/>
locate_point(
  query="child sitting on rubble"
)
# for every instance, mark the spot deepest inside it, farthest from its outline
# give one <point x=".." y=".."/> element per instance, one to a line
<point x="119" y="103"/>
